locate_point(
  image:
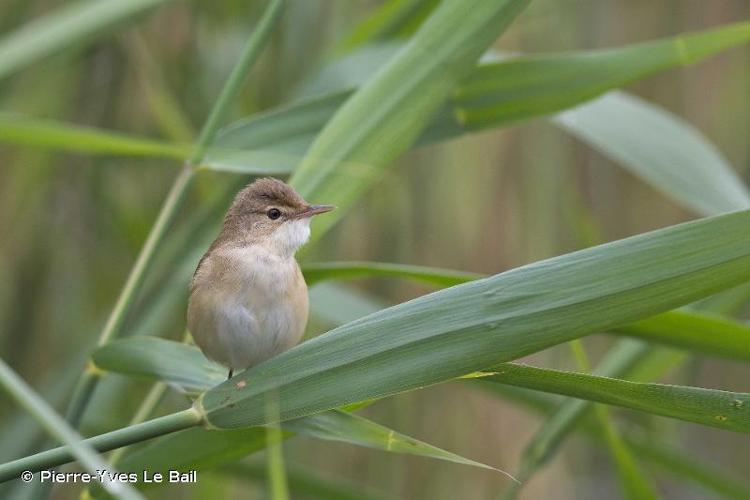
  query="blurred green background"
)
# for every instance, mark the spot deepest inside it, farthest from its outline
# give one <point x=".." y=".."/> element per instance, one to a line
<point x="71" y="225"/>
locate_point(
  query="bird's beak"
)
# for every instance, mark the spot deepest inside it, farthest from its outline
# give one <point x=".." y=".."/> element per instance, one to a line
<point x="315" y="210"/>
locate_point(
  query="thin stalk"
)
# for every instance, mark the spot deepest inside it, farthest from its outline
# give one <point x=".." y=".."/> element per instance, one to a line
<point x="633" y="482"/>
<point x="58" y="428"/>
<point x="277" y="482"/>
<point x="137" y="276"/>
<point x="147" y="407"/>
<point x="89" y="380"/>
<point x="237" y="77"/>
<point x="540" y="448"/>
<point x="162" y="103"/>
<point x="104" y="442"/>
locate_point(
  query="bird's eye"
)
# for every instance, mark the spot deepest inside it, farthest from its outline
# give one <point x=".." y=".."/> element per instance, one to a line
<point x="273" y="213"/>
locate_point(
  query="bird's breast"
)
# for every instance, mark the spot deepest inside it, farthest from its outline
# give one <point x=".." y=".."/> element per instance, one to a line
<point x="267" y="294"/>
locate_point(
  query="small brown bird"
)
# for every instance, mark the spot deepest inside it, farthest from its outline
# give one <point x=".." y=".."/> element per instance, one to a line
<point x="248" y="299"/>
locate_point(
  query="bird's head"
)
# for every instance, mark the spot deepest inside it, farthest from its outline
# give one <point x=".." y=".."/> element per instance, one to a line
<point x="271" y="213"/>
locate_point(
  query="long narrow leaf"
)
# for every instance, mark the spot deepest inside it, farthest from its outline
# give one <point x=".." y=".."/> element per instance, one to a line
<point x="668" y="458"/>
<point x="48" y="134"/>
<point x="347" y="270"/>
<point x="662" y="149"/>
<point x="184" y="367"/>
<point x="722" y="409"/>
<point x="546" y="440"/>
<point x="536" y="85"/>
<point x="528" y="86"/>
<point x="58" y="428"/>
<point x="686" y="465"/>
<point x="696" y="331"/>
<point x="473" y="326"/>
<point x="691" y="330"/>
<point x="384" y="117"/>
<point x="633" y="482"/>
<point x="62" y="28"/>
<point x="394" y="18"/>
<point x="501" y="82"/>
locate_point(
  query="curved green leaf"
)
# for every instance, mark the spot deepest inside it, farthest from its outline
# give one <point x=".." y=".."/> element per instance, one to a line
<point x="722" y="409"/>
<point x="535" y="85"/>
<point x="56" y="426"/>
<point x="180" y="365"/>
<point x="698" y="332"/>
<point x="60" y="136"/>
<point x="695" y="331"/>
<point x="659" y="147"/>
<point x="384" y="116"/>
<point x="336" y="425"/>
<point x="674" y="461"/>
<point x="49" y="134"/>
<point x="348" y="270"/>
<point x="473" y="326"/>
<point x="499" y="93"/>
<point x="184" y="367"/>
<point x="684" y="464"/>
<point x="394" y="18"/>
<point x="290" y="128"/>
<point x="64" y="27"/>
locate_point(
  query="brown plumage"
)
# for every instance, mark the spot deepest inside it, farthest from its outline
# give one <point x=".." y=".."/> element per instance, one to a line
<point x="248" y="299"/>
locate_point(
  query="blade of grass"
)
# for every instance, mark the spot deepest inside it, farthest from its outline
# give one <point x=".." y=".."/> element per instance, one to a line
<point x="686" y="329"/>
<point x="162" y="103"/>
<point x="649" y="367"/>
<point x="48" y="134"/>
<point x="182" y="366"/>
<point x="255" y="45"/>
<point x="497" y="94"/>
<point x="660" y="148"/>
<point x="315" y="273"/>
<point x="185" y="368"/>
<point x="58" y="428"/>
<point x="681" y="463"/>
<point x="58" y="136"/>
<point x="201" y="449"/>
<point x="634" y="484"/>
<point x="392" y="19"/>
<point x="677" y="462"/>
<point x="544" y="443"/>
<point x="71" y="24"/>
<point x="384" y="116"/>
<point x="536" y="85"/>
<point x="338" y="425"/>
<point x="722" y="409"/>
<point x="104" y="442"/>
<point x="699" y="332"/>
<point x="277" y="483"/>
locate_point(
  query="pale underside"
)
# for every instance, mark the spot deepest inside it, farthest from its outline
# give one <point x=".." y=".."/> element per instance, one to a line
<point x="249" y="303"/>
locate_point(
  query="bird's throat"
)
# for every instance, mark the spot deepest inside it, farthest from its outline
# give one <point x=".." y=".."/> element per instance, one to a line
<point x="288" y="237"/>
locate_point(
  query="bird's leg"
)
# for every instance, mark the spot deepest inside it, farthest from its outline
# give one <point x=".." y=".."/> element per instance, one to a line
<point x="231" y="372"/>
